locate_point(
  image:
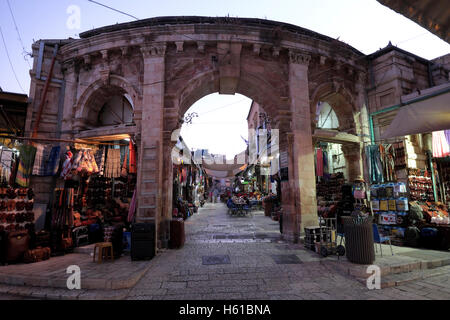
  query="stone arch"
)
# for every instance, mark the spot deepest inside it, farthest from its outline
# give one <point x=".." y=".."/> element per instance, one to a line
<point x="97" y="94"/>
<point x="251" y="85"/>
<point x="343" y="102"/>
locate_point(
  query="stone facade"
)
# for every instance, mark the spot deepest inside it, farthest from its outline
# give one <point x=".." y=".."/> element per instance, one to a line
<point x="167" y="64"/>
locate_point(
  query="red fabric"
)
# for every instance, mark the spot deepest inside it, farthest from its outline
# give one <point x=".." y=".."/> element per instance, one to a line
<point x="132" y="158"/>
<point x="319" y="163"/>
<point x="440" y="145"/>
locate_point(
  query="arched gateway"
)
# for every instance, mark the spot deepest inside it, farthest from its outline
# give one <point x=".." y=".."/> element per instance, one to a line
<point x="166" y="64"/>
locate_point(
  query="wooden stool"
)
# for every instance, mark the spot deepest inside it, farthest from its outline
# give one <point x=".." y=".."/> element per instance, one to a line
<point x="103" y="248"/>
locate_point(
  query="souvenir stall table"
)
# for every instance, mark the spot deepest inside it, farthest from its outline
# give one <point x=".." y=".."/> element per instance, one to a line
<point x="408" y="211"/>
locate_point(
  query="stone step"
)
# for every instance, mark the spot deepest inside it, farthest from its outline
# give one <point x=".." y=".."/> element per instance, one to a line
<point x="43" y="293"/>
<point x="399" y="279"/>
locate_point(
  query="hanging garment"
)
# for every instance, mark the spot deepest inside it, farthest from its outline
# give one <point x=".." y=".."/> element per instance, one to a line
<point x="100" y="160"/>
<point x="132" y="209"/>
<point x="67" y="165"/>
<point x="38" y="160"/>
<point x="25" y="164"/>
<point x="447" y="136"/>
<point x="112" y="167"/>
<point x="41" y="159"/>
<point x="389" y="162"/>
<point x="319" y="162"/>
<point x="374" y="164"/>
<point x="6" y="161"/>
<point x="52" y="164"/>
<point x="132" y="151"/>
<point x="440" y="145"/>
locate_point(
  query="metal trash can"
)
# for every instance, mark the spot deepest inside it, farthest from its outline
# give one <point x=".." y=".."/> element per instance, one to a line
<point x="359" y="240"/>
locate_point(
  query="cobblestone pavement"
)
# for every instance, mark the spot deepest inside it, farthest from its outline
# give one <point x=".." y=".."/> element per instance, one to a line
<point x="254" y="246"/>
<point x="240" y="257"/>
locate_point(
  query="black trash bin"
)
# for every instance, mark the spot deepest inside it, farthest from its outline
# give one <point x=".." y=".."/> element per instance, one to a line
<point x="359" y="240"/>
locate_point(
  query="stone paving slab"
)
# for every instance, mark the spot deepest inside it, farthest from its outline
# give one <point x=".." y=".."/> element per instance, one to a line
<point x="119" y="274"/>
<point x="251" y="274"/>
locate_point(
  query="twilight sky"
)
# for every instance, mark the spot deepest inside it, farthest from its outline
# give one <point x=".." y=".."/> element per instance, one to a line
<point x="364" y="24"/>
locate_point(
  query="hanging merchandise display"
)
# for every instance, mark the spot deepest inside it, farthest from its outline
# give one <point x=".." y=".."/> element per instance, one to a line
<point x="440" y="144"/>
<point x="112" y="166"/>
<point x="25" y="164"/>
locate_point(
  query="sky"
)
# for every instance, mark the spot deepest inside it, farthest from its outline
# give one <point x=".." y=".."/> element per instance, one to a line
<point x="364" y="24"/>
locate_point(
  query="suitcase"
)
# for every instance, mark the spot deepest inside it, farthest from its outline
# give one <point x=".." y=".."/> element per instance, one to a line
<point x="177" y="235"/>
<point x="17" y="245"/>
<point x="37" y="255"/>
<point x="143" y="237"/>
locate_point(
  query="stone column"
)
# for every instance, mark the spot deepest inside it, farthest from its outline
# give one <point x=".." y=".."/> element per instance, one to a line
<point x="150" y="167"/>
<point x="300" y="149"/>
<point x="353" y="159"/>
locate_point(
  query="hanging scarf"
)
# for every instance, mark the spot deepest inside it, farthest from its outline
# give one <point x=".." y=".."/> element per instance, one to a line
<point x="132" y="158"/>
<point x="52" y="165"/>
<point x="25" y="166"/>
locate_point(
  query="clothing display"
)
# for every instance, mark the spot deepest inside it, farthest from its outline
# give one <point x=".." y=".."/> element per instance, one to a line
<point x="374" y="164"/>
<point x="25" y="165"/>
<point x="113" y="165"/>
<point x="440" y="144"/>
<point x="319" y="162"/>
<point x="132" y="152"/>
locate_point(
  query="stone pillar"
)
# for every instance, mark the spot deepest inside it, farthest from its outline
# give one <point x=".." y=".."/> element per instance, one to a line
<point x="364" y="120"/>
<point x="150" y="167"/>
<point x="167" y="192"/>
<point x="302" y="204"/>
<point x="353" y="159"/>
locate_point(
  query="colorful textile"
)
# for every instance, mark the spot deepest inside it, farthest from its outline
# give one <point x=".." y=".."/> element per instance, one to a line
<point x="133" y="166"/>
<point x="67" y="165"/>
<point x="6" y="164"/>
<point x="440" y="145"/>
<point x="52" y="163"/>
<point x="447" y="136"/>
<point x="112" y="167"/>
<point x="39" y="160"/>
<point x="100" y="160"/>
<point x="319" y="162"/>
<point x="374" y="164"/>
<point x="25" y="165"/>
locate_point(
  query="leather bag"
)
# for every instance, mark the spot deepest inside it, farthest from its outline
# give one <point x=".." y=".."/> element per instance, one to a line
<point x="37" y="255"/>
<point x="17" y="245"/>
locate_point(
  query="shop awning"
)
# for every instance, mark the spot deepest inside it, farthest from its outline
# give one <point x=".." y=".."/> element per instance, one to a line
<point x="427" y="115"/>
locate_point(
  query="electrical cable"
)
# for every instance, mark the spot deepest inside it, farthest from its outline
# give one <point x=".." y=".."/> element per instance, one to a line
<point x="25" y="53"/>
<point x="9" y="59"/>
<point x="100" y="4"/>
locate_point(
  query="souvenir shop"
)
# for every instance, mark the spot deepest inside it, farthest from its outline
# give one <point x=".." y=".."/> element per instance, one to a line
<point x="189" y="189"/>
<point x="332" y="180"/>
<point x="93" y="198"/>
<point x="409" y="189"/>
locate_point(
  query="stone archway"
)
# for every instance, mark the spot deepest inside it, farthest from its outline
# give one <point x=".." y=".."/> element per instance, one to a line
<point x="168" y="63"/>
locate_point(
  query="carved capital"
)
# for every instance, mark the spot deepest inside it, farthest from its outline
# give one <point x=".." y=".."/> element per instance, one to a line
<point x="201" y="46"/>
<point x="124" y="50"/>
<point x="179" y="45"/>
<point x="256" y="49"/>
<point x="104" y="54"/>
<point x="154" y="50"/>
<point x="298" y="57"/>
<point x="276" y="51"/>
<point x="87" y="59"/>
